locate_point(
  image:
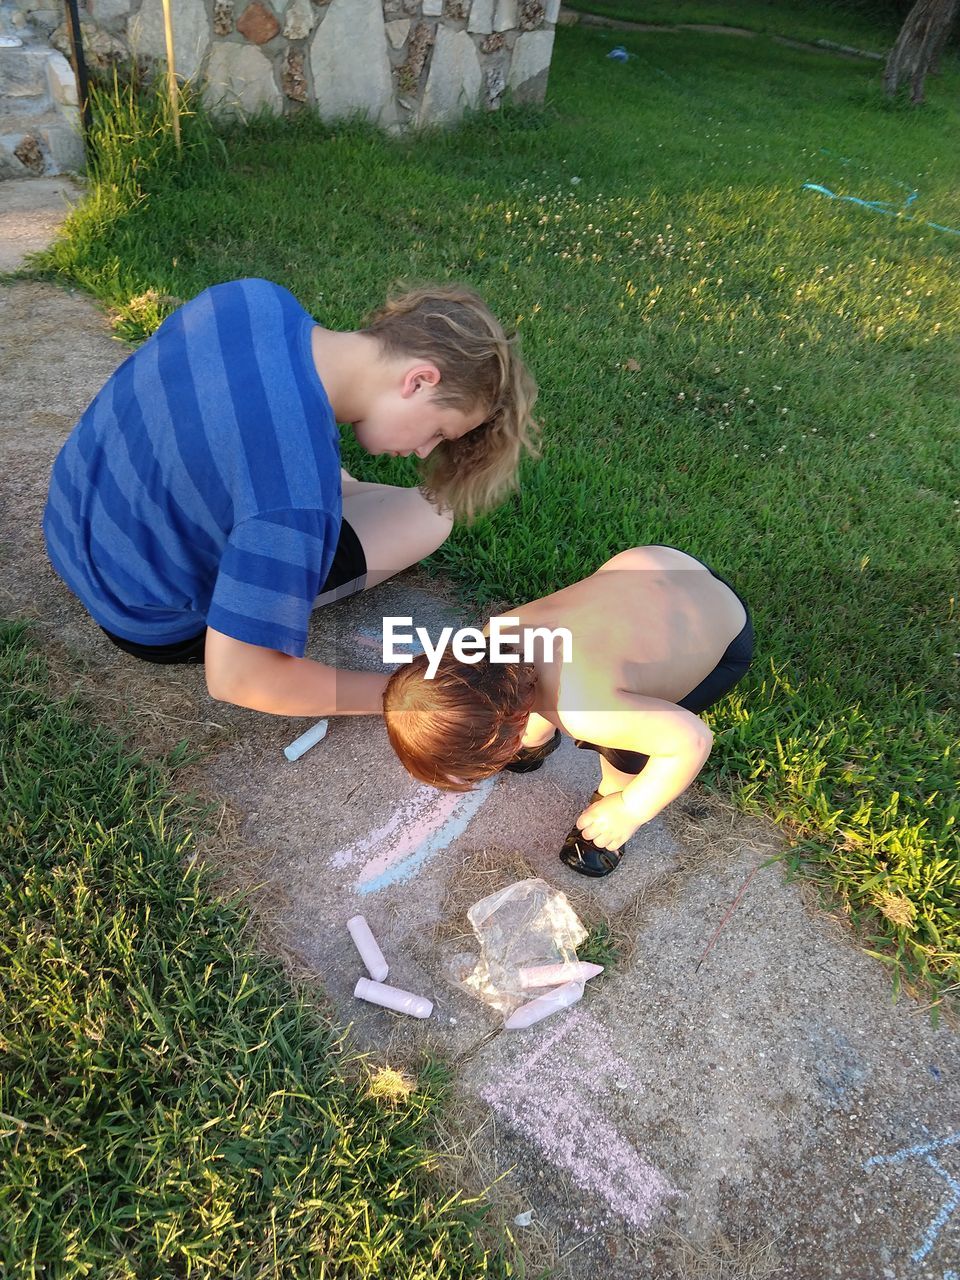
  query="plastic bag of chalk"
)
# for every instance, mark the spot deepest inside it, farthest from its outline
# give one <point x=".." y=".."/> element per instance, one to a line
<point x="524" y="931"/>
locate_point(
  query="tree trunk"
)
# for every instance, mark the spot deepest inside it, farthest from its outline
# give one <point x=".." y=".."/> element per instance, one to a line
<point x="919" y="45"/>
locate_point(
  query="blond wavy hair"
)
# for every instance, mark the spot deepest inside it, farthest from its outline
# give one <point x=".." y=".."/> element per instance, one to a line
<point x="452" y="327"/>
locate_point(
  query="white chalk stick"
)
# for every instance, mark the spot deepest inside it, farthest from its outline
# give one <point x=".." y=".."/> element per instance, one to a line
<point x="369" y="948"/>
<point x="393" y="998"/>
<point x="534" y="1010"/>
<point x="306" y="740"/>
<point x="551" y="975"/>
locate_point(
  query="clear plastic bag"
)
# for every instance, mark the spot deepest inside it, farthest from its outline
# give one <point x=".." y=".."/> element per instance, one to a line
<point x="525" y="925"/>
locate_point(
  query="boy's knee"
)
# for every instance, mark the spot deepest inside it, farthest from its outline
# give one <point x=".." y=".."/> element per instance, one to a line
<point x="435" y="524"/>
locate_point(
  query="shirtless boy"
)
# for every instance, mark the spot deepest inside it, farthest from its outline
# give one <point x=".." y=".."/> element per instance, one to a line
<point x="657" y="638"/>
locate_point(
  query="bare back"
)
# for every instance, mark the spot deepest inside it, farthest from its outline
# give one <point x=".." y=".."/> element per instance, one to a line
<point x="652" y="620"/>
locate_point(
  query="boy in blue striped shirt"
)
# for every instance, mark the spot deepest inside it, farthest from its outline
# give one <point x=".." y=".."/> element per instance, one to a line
<point x="198" y="509"/>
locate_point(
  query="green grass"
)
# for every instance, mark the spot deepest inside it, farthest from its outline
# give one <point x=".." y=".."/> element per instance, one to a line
<point x="866" y="25"/>
<point x="168" y="1107"/>
<point x="729" y="363"/>
<point x="599" y="947"/>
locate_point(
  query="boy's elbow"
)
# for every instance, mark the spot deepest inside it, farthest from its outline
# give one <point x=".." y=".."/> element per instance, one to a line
<point x="221" y="687"/>
<point x="236" y="672"/>
<point x="229" y="682"/>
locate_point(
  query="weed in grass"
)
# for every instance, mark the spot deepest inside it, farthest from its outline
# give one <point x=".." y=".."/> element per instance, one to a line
<point x="599" y="947"/>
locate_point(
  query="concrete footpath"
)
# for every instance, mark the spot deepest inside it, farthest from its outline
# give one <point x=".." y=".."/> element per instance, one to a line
<point x="759" y="1108"/>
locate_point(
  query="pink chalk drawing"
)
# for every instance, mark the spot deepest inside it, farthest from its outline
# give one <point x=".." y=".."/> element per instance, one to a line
<point x="426" y="823"/>
<point x="540" y="1098"/>
<point x="369" y="639"/>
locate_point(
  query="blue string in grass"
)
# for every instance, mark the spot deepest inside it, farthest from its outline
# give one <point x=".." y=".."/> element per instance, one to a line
<point x="882" y="206"/>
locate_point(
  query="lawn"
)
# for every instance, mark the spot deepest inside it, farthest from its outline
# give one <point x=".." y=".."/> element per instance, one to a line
<point x="168" y="1107"/>
<point x="730" y="362"/>
<point x="860" y="24"/>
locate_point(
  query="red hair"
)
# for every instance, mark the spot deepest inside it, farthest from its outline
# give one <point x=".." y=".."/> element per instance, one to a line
<point x="462" y="726"/>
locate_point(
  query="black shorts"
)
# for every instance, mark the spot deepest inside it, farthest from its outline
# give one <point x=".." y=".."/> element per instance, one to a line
<point x="731" y="668"/>
<point x="346" y="575"/>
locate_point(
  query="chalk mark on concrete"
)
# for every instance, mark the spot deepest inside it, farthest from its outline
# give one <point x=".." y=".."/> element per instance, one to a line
<point x="538" y="1102"/>
<point x="425" y="824"/>
<point x="924" y="1152"/>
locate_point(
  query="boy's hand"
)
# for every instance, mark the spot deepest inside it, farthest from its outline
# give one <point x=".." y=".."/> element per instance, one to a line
<point x="607" y="822"/>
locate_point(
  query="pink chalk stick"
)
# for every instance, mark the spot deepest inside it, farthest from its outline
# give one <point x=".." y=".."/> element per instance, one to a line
<point x="393" y="998"/>
<point x="551" y="975"/>
<point x="367" y="945"/>
<point x="535" y="1010"/>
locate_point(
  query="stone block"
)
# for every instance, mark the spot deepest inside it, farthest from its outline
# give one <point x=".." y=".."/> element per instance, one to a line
<point x="239" y="81"/>
<point x="530" y="14"/>
<point x="29" y="153"/>
<point x="432" y="8"/>
<point x="299" y="20"/>
<point x="222" y="17"/>
<point x="257" y="24"/>
<point x="397" y="32"/>
<point x="351" y="64"/>
<point x="493" y="43"/>
<point x="481" y="17"/>
<point x="101" y="49"/>
<point x="458" y="10"/>
<point x="293" y="76"/>
<point x="455" y="79"/>
<point x="23" y="73"/>
<point x="107" y="11"/>
<point x="61" y="81"/>
<point x="64" y="145"/>
<point x="11" y="166"/>
<point x="191" y="35"/>
<point x="494" y="83"/>
<point x="551" y="11"/>
<point x="530" y="66"/>
<point x="43" y="21"/>
<point x="507" y="15"/>
<point x="419" y="46"/>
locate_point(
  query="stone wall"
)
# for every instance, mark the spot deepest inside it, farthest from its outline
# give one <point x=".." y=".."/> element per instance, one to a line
<point x="397" y="62"/>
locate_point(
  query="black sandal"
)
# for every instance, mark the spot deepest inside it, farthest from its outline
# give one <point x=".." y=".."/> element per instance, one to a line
<point x="528" y="759"/>
<point x="583" y="856"/>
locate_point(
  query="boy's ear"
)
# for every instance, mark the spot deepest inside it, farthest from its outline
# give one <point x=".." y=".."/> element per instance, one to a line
<point x="419" y="375"/>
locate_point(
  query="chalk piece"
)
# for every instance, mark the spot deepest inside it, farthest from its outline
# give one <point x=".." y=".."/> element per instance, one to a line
<point x="369" y="948"/>
<point x="551" y="975"/>
<point x="535" y="1010"/>
<point x="306" y="740"/>
<point x="393" y="998"/>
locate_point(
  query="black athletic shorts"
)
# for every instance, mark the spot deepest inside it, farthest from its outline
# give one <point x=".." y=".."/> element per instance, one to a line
<point x="731" y="668"/>
<point x="346" y="575"/>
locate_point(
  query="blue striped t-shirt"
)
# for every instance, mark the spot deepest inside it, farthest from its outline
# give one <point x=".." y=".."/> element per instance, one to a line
<point x="202" y="485"/>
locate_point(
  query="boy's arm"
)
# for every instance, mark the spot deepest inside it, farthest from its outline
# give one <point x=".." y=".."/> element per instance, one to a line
<point x="266" y="680"/>
<point x="677" y="742"/>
